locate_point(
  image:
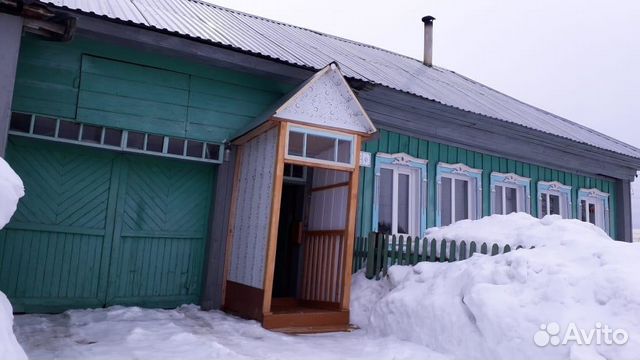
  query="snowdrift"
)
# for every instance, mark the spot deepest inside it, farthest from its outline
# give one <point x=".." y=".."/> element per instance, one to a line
<point x="11" y="189"/>
<point x="491" y="307"/>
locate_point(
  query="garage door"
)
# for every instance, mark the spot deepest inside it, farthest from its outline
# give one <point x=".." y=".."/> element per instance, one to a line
<point x="99" y="228"/>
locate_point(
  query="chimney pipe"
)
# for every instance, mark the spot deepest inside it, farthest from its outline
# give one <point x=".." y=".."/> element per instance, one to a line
<point x="428" y="40"/>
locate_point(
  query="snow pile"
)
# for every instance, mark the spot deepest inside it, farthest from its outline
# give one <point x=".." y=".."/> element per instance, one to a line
<point x="188" y="333"/>
<point x="11" y="189"/>
<point x="491" y="307"/>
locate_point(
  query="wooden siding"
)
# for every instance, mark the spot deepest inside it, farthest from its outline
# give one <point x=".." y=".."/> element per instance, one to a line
<point x="100" y="228"/>
<point x="391" y="142"/>
<point x="253" y="210"/>
<point x="135" y="90"/>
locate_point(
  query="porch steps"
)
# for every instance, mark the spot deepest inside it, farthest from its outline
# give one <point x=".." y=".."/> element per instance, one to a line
<point x="301" y="320"/>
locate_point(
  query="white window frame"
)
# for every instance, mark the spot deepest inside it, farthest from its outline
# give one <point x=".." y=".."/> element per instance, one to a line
<point x="329" y="134"/>
<point x="546" y="189"/>
<point x="601" y="201"/>
<point x="513" y="181"/>
<point x="474" y="183"/>
<point x="416" y="169"/>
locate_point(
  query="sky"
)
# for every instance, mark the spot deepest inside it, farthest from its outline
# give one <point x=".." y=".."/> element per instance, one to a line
<point x="579" y="59"/>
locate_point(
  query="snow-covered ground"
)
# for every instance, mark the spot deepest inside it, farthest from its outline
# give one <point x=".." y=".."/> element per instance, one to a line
<point x="492" y="307"/>
<point x="188" y="333"/>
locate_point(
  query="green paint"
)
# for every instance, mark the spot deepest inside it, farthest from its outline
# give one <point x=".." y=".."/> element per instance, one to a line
<point x="100" y="228"/>
<point x="115" y="86"/>
<point x="435" y="153"/>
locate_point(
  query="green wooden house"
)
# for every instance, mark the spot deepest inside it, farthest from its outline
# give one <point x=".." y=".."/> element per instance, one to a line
<point x="174" y="151"/>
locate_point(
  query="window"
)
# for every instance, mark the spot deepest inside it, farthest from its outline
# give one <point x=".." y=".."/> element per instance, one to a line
<point x="510" y="193"/>
<point x="554" y="199"/>
<point x="593" y="207"/>
<point x="67" y="131"/>
<point x="459" y="193"/>
<point x="400" y="202"/>
<point x="320" y="146"/>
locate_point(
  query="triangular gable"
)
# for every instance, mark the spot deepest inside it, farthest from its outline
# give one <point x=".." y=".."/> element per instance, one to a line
<point x="325" y="100"/>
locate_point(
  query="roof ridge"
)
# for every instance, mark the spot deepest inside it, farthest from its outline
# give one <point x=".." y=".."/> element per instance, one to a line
<point x="206" y="3"/>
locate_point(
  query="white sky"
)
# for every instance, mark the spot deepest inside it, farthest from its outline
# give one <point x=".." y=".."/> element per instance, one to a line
<point x="579" y="59"/>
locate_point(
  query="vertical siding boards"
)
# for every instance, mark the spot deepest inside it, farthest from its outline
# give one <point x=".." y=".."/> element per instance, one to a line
<point x="390" y="142"/>
<point x="137" y="90"/>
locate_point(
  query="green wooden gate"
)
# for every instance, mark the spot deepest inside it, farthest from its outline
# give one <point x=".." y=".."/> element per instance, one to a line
<point x="99" y="228"/>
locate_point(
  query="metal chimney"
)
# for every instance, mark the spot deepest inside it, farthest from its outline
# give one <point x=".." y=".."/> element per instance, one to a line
<point x="428" y="40"/>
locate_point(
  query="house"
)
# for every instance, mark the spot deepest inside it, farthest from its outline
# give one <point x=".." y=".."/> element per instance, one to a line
<point x="174" y="151"/>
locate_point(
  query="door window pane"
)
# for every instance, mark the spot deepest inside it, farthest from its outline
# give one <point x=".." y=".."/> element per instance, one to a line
<point x="498" y="200"/>
<point x="112" y="137"/>
<point x="320" y="147"/>
<point x="20" y="122"/>
<point x="385" y="201"/>
<point x="135" y="140"/>
<point x="296" y="143"/>
<point x="592" y="213"/>
<point x="583" y="211"/>
<point x="68" y="130"/>
<point x="155" y="143"/>
<point x="462" y="199"/>
<point x="445" y="202"/>
<point x="554" y="204"/>
<point x="403" y="203"/>
<point x="511" y="200"/>
<point x="176" y="146"/>
<point x="45" y="126"/>
<point x="91" y="134"/>
<point x="212" y="151"/>
<point x="543" y="204"/>
<point x="194" y="149"/>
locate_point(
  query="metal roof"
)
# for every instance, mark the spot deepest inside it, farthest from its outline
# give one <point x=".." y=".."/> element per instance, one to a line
<point x="303" y="47"/>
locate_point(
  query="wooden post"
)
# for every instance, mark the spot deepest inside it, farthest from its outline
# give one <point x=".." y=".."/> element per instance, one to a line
<point x="272" y="240"/>
<point x="232" y="221"/>
<point x="351" y="228"/>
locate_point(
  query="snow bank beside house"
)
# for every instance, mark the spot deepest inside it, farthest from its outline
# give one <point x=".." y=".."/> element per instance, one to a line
<point x="491" y="307"/>
<point x="11" y="189"/>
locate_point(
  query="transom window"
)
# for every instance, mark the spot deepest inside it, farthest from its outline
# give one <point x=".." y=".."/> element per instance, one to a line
<point x="510" y="193"/>
<point x="61" y="130"/>
<point x="593" y="207"/>
<point x="554" y="199"/>
<point x="320" y="146"/>
<point x="400" y="202"/>
<point x="459" y="193"/>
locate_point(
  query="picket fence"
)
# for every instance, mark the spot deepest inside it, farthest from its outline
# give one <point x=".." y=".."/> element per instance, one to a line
<point x="378" y="252"/>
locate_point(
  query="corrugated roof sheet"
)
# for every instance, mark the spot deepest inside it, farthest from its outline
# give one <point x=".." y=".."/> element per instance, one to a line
<point x="309" y="48"/>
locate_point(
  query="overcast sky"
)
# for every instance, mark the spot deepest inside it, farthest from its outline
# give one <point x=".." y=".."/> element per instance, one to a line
<point x="579" y="59"/>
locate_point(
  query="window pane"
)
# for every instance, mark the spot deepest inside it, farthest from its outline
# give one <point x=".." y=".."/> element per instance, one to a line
<point x="155" y="143"/>
<point x="45" y="126"/>
<point x="344" y="151"/>
<point x="20" y="122"/>
<point x="212" y="151"/>
<point x="498" y="200"/>
<point x="194" y="149"/>
<point x="68" y="130"/>
<point x="91" y="134"/>
<point x="462" y="199"/>
<point x="592" y="213"/>
<point x="296" y="143"/>
<point x="511" y="200"/>
<point x="583" y="211"/>
<point x="403" y="204"/>
<point x="135" y="140"/>
<point x="445" y="202"/>
<point x="112" y="137"/>
<point x="320" y="147"/>
<point x="543" y="204"/>
<point x="554" y="204"/>
<point x="385" y="201"/>
<point x="176" y="146"/>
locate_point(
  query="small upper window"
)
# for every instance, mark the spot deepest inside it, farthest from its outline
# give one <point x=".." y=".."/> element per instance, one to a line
<point x="459" y="193"/>
<point x="320" y="146"/>
<point x="554" y="199"/>
<point x="400" y="201"/>
<point x="593" y="207"/>
<point x="510" y="193"/>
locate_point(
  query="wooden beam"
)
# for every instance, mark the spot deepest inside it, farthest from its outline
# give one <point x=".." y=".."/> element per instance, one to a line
<point x="346" y="168"/>
<point x="232" y="222"/>
<point x="272" y="239"/>
<point x="329" y="187"/>
<point x="350" y="233"/>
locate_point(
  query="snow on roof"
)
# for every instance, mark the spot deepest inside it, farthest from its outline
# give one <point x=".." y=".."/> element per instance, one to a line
<point x="312" y="49"/>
